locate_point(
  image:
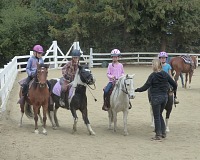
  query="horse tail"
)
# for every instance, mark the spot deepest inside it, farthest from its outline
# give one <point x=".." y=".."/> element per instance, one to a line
<point x="28" y="111"/>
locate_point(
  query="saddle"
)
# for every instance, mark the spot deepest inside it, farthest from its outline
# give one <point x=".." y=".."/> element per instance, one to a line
<point x="64" y="84"/>
<point x="188" y="60"/>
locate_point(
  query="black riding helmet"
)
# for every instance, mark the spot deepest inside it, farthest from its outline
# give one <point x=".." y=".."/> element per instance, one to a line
<point x="76" y="53"/>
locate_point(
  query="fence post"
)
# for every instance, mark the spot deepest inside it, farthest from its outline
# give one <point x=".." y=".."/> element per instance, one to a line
<point x="91" y="58"/>
<point x="55" y="53"/>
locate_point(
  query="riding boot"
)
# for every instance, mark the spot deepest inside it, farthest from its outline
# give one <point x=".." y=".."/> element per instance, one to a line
<point x="61" y="100"/>
<point x="21" y="101"/>
<point x="105" y="108"/>
<point x="50" y="100"/>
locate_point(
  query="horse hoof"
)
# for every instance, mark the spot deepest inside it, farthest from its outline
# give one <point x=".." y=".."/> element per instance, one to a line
<point x="126" y="134"/>
<point x="20" y="125"/>
<point x="45" y="133"/>
<point x="92" y="133"/>
<point x="54" y="127"/>
<point x="167" y="130"/>
<point x="152" y="125"/>
<point x="36" y="131"/>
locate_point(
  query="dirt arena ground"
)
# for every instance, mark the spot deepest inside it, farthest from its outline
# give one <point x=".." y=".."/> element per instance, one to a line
<point x="182" y="143"/>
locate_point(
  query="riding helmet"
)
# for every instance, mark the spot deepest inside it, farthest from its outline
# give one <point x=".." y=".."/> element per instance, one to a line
<point x="162" y="54"/>
<point x="115" y="52"/>
<point x="76" y="53"/>
<point x="38" y="49"/>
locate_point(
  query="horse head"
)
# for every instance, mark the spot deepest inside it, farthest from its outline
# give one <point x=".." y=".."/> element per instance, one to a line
<point x="127" y="85"/>
<point x="130" y="86"/>
<point x="86" y="75"/>
<point x="42" y="72"/>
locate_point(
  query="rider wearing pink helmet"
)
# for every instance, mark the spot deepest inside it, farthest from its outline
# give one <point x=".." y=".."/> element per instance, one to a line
<point x="114" y="71"/>
<point x="31" y="68"/>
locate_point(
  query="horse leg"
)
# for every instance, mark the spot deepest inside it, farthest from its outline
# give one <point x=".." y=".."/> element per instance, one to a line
<point x="125" y="115"/>
<point x="55" y="118"/>
<point x="186" y="79"/>
<point x="110" y="117"/>
<point x="45" y="108"/>
<point x="190" y="78"/>
<point x="115" y="120"/>
<point x="73" y="111"/>
<point x="152" y="118"/>
<point x="168" y="109"/>
<point x="39" y="114"/>
<point x="35" y="108"/>
<point x="86" y="121"/>
<point x="51" y="113"/>
<point x="22" y="113"/>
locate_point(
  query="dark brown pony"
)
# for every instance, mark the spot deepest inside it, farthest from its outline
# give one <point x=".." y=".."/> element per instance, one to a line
<point x="179" y="65"/>
<point x="38" y="95"/>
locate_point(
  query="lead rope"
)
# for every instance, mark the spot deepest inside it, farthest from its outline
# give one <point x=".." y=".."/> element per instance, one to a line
<point x="91" y="92"/>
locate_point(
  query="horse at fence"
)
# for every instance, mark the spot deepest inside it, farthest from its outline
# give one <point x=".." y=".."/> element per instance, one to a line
<point x="77" y="100"/>
<point x="38" y="95"/>
<point x="185" y="64"/>
<point x="120" y="97"/>
<point x="168" y="108"/>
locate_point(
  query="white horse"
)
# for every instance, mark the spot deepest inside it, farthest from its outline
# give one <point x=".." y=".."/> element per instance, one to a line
<point x="120" y="100"/>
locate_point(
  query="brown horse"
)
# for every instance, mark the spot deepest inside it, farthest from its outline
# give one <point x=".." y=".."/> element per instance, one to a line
<point x="38" y="95"/>
<point x="179" y="65"/>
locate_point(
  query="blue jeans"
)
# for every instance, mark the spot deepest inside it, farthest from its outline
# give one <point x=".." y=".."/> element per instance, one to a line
<point x="107" y="89"/>
<point x="158" y="103"/>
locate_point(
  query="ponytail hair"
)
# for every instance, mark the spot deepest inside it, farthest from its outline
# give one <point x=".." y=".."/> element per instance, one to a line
<point x="157" y="66"/>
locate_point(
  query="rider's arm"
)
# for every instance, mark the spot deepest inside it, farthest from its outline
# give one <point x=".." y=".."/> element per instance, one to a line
<point x="28" y="67"/>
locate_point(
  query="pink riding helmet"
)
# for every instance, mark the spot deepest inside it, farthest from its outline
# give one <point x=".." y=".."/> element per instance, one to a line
<point x="38" y="49"/>
<point x="162" y="54"/>
<point x="115" y="52"/>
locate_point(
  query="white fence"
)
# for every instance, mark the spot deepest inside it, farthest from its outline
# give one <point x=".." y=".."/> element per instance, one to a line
<point x="140" y="58"/>
<point x="56" y="58"/>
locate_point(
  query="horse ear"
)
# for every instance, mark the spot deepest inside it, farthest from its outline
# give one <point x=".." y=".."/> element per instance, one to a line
<point x="127" y="76"/>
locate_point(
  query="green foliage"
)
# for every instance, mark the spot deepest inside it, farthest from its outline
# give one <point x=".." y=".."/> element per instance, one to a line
<point x="130" y="25"/>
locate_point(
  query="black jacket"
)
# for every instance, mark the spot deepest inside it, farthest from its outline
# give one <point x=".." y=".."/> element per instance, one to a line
<point x="158" y="82"/>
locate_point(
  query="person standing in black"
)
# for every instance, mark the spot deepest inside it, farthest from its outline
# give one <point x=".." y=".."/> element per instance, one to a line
<point x="158" y="82"/>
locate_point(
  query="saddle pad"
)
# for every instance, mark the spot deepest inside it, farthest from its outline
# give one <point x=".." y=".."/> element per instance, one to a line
<point x="57" y="88"/>
<point x="21" y="82"/>
<point x="187" y="59"/>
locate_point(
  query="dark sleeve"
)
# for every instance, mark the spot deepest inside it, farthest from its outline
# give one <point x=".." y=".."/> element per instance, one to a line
<point x="172" y="82"/>
<point x="146" y="85"/>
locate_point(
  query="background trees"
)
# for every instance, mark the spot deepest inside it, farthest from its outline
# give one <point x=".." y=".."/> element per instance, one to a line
<point x="130" y="25"/>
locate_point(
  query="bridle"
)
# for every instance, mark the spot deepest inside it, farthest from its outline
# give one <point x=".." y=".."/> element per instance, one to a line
<point x="41" y="85"/>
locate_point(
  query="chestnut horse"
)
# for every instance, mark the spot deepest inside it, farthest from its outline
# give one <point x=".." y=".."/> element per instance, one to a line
<point x="38" y="95"/>
<point x="179" y="65"/>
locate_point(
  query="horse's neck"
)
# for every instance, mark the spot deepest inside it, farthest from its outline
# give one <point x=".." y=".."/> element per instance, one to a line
<point x="80" y="89"/>
<point x="77" y="80"/>
<point x="119" y="88"/>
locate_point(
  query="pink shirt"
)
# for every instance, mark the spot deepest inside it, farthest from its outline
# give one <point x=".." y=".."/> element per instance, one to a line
<point x="115" y="69"/>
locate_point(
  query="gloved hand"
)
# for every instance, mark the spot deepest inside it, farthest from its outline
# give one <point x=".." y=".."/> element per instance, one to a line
<point x="137" y="90"/>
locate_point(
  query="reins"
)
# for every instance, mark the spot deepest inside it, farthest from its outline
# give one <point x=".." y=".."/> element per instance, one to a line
<point x="126" y="92"/>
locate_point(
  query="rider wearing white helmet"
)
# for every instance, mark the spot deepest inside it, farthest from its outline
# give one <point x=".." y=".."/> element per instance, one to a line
<point x="114" y="71"/>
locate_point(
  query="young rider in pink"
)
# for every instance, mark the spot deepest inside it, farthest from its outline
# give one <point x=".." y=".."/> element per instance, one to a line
<point x="114" y="72"/>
